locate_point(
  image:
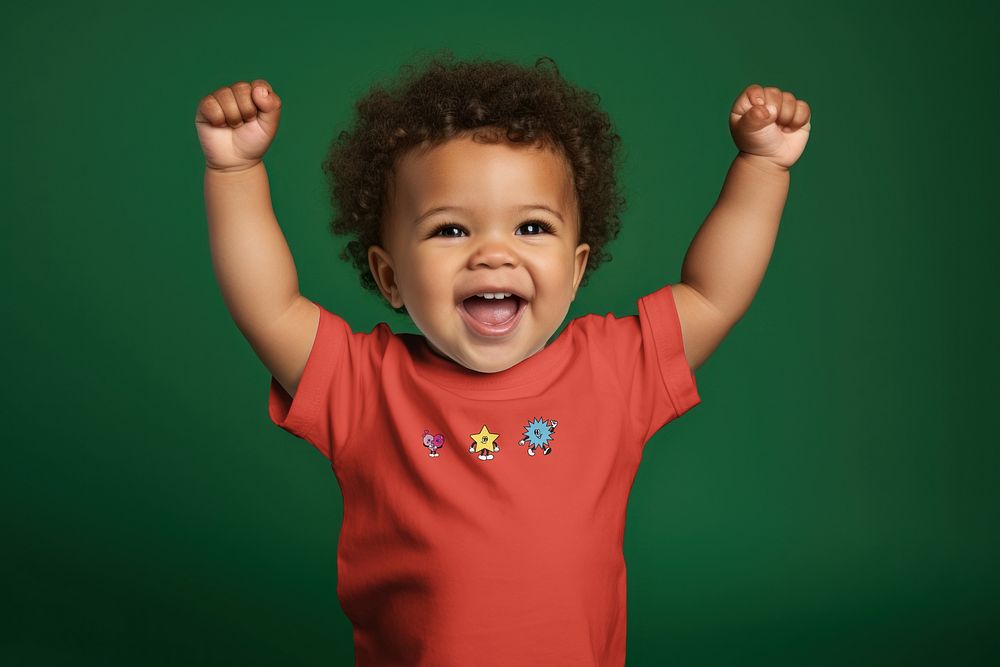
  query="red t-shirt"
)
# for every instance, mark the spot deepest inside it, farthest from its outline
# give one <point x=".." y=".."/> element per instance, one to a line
<point x="484" y="512"/>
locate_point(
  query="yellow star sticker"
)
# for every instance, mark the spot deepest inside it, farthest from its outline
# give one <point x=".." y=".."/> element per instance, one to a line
<point x="484" y="439"/>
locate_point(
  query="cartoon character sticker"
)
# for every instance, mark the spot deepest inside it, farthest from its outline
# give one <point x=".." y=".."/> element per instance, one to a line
<point x="433" y="442"/>
<point x="484" y="442"/>
<point x="538" y="433"/>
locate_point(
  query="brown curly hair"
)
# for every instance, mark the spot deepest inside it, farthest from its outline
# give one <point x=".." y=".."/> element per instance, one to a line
<point x="443" y="99"/>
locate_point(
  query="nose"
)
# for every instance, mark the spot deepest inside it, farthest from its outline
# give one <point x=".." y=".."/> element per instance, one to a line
<point x="493" y="252"/>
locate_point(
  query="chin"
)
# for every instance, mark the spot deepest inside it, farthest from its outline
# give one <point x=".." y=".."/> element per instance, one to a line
<point x="488" y="368"/>
<point x="491" y="367"/>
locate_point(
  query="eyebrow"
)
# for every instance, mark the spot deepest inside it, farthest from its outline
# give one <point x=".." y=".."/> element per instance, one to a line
<point x="439" y="209"/>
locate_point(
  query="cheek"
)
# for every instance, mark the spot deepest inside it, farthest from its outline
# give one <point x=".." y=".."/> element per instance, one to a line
<point x="428" y="264"/>
<point x="552" y="272"/>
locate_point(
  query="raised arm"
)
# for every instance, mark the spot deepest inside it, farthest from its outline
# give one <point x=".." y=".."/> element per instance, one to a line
<point x="253" y="264"/>
<point x="726" y="262"/>
<point x="256" y="273"/>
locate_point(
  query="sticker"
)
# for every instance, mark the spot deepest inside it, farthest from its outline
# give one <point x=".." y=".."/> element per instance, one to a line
<point x="538" y="434"/>
<point x="484" y="442"/>
<point x="433" y="442"/>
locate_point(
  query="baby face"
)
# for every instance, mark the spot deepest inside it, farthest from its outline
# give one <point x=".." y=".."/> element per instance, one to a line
<point x="467" y="218"/>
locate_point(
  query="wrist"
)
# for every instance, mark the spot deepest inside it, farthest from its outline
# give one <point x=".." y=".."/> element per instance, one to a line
<point x="233" y="169"/>
<point x="762" y="163"/>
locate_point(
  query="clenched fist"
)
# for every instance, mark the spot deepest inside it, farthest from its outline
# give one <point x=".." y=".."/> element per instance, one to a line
<point x="236" y="124"/>
<point x="771" y="123"/>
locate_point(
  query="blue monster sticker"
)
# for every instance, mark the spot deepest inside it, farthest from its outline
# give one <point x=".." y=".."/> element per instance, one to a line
<point x="538" y="433"/>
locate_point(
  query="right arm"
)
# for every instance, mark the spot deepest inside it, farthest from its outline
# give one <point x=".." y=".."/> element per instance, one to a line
<point x="253" y="265"/>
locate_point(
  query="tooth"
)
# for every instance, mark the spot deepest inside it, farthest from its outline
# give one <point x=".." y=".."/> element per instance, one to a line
<point x="494" y="295"/>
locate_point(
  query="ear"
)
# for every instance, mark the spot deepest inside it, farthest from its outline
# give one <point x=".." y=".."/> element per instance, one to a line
<point x="580" y="261"/>
<point x="380" y="263"/>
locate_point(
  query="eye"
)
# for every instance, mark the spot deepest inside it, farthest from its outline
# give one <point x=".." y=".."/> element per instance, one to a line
<point x="539" y="226"/>
<point x="447" y="227"/>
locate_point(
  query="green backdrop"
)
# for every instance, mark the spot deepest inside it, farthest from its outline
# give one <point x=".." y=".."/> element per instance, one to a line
<point x="832" y="501"/>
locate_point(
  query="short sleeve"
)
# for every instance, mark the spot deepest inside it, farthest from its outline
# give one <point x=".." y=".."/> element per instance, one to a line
<point x="329" y="399"/>
<point x="659" y="384"/>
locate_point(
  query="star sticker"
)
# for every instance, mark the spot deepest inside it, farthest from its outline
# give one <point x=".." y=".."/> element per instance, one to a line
<point x="484" y="440"/>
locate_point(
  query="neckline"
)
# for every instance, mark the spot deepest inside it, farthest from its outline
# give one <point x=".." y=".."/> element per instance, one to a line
<point x="538" y="368"/>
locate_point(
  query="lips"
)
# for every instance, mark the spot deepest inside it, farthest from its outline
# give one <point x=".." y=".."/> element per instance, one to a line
<point x="493" y="330"/>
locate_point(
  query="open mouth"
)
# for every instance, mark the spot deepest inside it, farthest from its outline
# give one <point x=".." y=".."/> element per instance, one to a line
<point x="492" y="317"/>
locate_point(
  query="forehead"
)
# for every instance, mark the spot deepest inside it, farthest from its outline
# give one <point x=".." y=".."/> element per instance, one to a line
<point x="486" y="177"/>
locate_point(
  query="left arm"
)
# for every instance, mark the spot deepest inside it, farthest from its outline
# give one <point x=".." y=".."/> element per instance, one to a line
<point x="726" y="261"/>
<point x="725" y="264"/>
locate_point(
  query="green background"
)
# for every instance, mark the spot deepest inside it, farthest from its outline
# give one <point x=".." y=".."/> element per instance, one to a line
<point x="832" y="501"/>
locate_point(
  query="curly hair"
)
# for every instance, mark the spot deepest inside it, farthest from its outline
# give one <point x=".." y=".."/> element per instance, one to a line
<point x="445" y="99"/>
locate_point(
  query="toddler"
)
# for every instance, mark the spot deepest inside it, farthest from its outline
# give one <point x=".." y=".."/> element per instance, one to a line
<point x="486" y="464"/>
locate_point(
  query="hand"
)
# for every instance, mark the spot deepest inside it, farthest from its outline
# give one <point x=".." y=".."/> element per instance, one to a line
<point x="237" y="123"/>
<point x="770" y="123"/>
